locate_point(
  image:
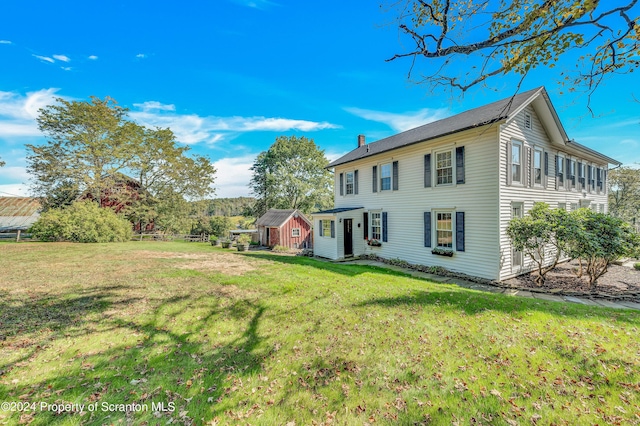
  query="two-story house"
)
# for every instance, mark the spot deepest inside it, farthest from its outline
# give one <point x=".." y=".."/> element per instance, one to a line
<point x="443" y="194"/>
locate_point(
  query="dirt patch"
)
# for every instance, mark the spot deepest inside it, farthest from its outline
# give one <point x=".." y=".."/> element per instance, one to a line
<point x="619" y="282"/>
<point x="226" y="263"/>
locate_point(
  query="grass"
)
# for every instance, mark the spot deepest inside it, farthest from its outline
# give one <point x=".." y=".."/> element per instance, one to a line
<point x="256" y="338"/>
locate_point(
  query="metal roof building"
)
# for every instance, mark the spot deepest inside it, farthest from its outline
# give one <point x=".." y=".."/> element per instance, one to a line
<point x="18" y="213"/>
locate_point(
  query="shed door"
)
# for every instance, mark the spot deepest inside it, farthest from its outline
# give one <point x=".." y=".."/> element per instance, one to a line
<point x="348" y="237"/>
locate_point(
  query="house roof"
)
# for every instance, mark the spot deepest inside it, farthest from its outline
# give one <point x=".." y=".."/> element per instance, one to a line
<point x="278" y="217"/>
<point x="18" y="213"/>
<point x="504" y="109"/>
<point x="338" y="210"/>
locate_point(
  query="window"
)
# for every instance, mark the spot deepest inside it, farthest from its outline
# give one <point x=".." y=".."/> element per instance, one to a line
<point x="527" y="121"/>
<point x="572" y="174"/>
<point x="537" y="167"/>
<point x="444" y="168"/>
<point x="562" y="206"/>
<point x="385" y="177"/>
<point x="516" y="149"/>
<point x="560" y="171"/>
<point x="444" y="230"/>
<point x="376" y="226"/>
<point x="592" y="178"/>
<point x="350" y="183"/>
<point x="516" y="256"/>
<point x="326" y="228"/>
<point x="574" y="206"/>
<point x="295" y="232"/>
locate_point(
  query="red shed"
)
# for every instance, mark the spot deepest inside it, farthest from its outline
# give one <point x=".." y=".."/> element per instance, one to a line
<point x="289" y="228"/>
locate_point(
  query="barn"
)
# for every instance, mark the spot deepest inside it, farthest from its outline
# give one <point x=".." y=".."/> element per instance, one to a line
<point x="289" y="228"/>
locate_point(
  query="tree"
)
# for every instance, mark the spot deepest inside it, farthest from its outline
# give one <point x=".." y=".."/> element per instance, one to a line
<point x="92" y="144"/>
<point x="542" y="235"/>
<point x="498" y="37"/>
<point x="624" y="193"/>
<point x="600" y="239"/>
<point x="291" y="174"/>
<point x="2" y="163"/>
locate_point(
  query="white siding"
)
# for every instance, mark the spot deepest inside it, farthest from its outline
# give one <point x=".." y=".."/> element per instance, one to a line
<point x="534" y="137"/>
<point x="324" y="246"/>
<point x="477" y="198"/>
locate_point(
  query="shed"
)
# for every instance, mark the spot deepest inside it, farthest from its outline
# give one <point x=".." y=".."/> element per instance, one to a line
<point x="17" y="214"/>
<point x="289" y="228"/>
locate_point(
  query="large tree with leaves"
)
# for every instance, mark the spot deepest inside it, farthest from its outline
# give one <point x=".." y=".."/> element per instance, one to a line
<point x="624" y="193"/>
<point x="291" y="174"/>
<point x="499" y="37"/>
<point x="90" y="146"/>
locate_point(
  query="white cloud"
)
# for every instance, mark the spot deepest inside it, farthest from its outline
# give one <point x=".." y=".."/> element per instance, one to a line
<point x="631" y="142"/>
<point x="5" y="42"/>
<point x="256" y="4"/>
<point x="45" y="58"/>
<point x="18" y="112"/>
<point x="155" y="105"/>
<point x="232" y="176"/>
<point x="192" y="128"/>
<point x="15" y="189"/>
<point x="14" y="173"/>
<point x="93" y="58"/>
<point x="402" y="122"/>
<point x="66" y="68"/>
<point x="331" y="156"/>
<point x="141" y="56"/>
<point x="62" y="58"/>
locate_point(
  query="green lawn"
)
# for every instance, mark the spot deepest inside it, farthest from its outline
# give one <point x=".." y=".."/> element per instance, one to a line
<point x="226" y="337"/>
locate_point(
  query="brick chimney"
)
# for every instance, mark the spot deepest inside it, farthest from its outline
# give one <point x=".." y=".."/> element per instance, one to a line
<point x="361" y="141"/>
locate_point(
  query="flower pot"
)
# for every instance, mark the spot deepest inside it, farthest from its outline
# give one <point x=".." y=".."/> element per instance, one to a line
<point x="440" y="252"/>
<point x="226" y="244"/>
<point x="242" y="247"/>
<point x="214" y="242"/>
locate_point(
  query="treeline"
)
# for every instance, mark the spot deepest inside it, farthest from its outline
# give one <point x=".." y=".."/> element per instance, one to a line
<point x="238" y="206"/>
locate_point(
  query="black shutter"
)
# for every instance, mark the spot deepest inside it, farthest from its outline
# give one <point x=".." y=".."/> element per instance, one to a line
<point x="579" y="166"/>
<point x="459" y="231"/>
<point x="427" y="170"/>
<point x="333" y="229"/>
<point x="384" y="227"/>
<point x="427" y="229"/>
<point x="546" y="164"/>
<point x="509" y="163"/>
<point x="589" y="177"/>
<point x="599" y="176"/>
<point x="395" y="175"/>
<point x="604" y="181"/>
<point x="460" y="164"/>
<point x="374" y="184"/>
<point x="568" y="172"/>
<point x="557" y="175"/>
<point x="355" y="182"/>
<point x="365" y="220"/>
<point x="320" y="226"/>
<point x="341" y="183"/>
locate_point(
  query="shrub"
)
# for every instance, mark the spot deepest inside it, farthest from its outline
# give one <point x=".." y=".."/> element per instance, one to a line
<point x="82" y="222"/>
<point x="280" y="249"/>
<point x="636" y="266"/>
<point x="244" y="239"/>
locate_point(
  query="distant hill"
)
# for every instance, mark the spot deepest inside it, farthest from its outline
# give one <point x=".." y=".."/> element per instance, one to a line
<point x="238" y="206"/>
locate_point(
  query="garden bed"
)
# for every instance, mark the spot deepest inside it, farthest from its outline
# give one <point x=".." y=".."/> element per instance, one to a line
<point x="619" y="282"/>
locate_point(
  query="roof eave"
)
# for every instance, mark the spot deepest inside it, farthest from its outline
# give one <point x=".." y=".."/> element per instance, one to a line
<point x="592" y="152"/>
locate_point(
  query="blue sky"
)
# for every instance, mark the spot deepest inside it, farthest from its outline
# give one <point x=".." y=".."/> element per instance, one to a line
<point x="229" y="76"/>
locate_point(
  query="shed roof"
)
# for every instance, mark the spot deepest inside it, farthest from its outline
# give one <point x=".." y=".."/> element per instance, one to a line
<point x="338" y="210"/>
<point x="18" y="213"/>
<point x="278" y="217"/>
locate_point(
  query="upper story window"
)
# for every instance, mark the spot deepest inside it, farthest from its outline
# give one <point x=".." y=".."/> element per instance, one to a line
<point x="444" y="168"/>
<point x="537" y="167"/>
<point x="349" y="183"/>
<point x="592" y="178"/>
<point x="516" y="155"/>
<point x="295" y="232"/>
<point x="527" y="121"/>
<point x="385" y="177"/>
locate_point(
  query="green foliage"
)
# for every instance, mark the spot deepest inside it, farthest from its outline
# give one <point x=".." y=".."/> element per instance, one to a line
<point x="2" y="163"/>
<point x="499" y="37"/>
<point x="93" y="147"/>
<point x="237" y="206"/>
<point x="291" y="174"/>
<point x="636" y="266"/>
<point x="599" y="240"/>
<point x="244" y="239"/>
<point x="624" y="193"/>
<point x="280" y="249"/>
<point x="82" y="222"/>
<point x="542" y="235"/>
<point x="220" y="225"/>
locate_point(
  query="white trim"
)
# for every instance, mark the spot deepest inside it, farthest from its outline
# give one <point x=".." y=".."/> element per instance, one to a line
<point x="434" y="228"/>
<point x="293" y="234"/>
<point x="520" y="144"/>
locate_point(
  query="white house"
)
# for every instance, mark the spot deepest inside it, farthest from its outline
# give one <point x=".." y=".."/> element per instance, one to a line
<point x="443" y="194"/>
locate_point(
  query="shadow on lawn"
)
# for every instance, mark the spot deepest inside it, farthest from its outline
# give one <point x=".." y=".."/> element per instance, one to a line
<point x="347" y="269"/>
<point x="170" y="359"/>
<point x="474" y="302"/>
